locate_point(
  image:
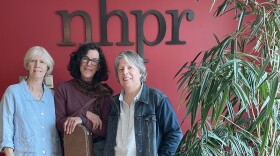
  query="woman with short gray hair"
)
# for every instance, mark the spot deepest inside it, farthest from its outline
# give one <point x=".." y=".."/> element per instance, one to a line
<point x="141" y="119"/>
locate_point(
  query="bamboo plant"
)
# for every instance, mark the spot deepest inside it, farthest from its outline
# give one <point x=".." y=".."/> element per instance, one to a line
<point x="230" y="90"/>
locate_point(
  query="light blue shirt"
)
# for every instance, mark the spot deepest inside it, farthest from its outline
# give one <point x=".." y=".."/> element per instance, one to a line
<point x="28" y="125"/>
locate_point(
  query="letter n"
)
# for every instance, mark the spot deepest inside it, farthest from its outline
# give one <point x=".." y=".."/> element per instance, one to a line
<point x="66" y="18"/>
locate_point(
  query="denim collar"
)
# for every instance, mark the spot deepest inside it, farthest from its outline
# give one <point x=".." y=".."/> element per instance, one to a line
<point x="144" y="97"/>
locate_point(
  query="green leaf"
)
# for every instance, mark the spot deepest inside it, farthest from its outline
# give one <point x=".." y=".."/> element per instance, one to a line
<point x="265" y="136"/>
<point x="241" y="18"/>
<point x="222" y="106"/>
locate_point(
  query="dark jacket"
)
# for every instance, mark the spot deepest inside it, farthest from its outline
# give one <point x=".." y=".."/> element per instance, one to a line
<point x="157" y="130"/>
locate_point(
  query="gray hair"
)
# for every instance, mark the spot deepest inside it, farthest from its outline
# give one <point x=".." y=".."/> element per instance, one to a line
<point x="133" y="58"/>
<point x="39" y="51"/>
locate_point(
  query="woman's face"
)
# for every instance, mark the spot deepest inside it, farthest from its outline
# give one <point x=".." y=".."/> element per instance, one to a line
<point x="89" y="65"/>
<point x="128" y="75"/>
<point x="37" y="67"/>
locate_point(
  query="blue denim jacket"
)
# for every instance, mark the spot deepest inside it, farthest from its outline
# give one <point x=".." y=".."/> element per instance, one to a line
<point x="157" y="130"/>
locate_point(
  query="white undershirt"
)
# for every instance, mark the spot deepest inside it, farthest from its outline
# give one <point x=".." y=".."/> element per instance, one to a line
<point x="125" y="140"/>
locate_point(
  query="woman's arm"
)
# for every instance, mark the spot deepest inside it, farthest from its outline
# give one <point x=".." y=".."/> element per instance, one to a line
<point x="68" y="110"/>
<point x="7" y="111"/>
<point x="100" y="129"/>
<point x="170" y="127"/>
<point x="60" y="108"/>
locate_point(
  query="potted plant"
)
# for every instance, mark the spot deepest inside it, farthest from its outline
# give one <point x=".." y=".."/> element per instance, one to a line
<point x="231" y="93"/>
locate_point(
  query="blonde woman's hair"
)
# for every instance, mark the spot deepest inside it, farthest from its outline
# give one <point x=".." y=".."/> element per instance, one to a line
<point x="39" y="51"/>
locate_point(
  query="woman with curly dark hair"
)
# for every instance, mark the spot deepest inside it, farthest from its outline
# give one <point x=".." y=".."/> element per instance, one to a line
<point x="84" y="99"/>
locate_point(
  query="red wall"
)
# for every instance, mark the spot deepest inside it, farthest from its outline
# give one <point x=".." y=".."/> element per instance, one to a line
<point x="28" y="23"/>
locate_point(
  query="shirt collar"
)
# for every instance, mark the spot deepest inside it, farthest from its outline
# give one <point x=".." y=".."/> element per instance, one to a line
<point x="136" y="97"/>
<point x="27" y="92"/>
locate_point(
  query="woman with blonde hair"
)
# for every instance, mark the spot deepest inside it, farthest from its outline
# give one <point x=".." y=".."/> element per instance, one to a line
<point x="27" y="122"/>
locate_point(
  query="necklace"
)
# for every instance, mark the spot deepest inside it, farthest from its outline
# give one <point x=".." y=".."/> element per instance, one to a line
<point x="37" y="95"/>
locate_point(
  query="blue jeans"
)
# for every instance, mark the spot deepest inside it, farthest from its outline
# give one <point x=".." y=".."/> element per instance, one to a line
<point x="98" y="148"/>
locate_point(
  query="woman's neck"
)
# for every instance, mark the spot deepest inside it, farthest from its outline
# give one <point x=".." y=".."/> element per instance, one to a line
<point x="130" y="94"/>
<point x="35" y="87"/>
<point x="88" y="80"/>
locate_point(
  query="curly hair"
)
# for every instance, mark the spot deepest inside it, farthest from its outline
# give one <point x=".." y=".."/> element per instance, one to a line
<point x="75" y="62"/>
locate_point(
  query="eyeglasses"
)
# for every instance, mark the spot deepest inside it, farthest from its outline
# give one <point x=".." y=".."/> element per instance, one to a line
<point x="94" y="61"/>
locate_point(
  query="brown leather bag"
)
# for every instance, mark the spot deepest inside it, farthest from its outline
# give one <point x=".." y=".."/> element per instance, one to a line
<point x="78" y="143"/>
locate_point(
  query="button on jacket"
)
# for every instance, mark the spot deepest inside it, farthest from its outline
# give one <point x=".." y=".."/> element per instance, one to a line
<point x="157" y="130"/>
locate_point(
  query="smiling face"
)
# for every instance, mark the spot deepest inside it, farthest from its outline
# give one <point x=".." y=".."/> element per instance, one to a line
<point x="87" y="67"/>
<point x="37" y="67"/>
<point x="128" y="75"/>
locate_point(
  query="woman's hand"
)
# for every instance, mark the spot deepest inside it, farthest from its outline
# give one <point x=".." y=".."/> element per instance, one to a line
<point x="96" y="121"/>
<point x="8" y="151"/>
<point x="70" y="124"/>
